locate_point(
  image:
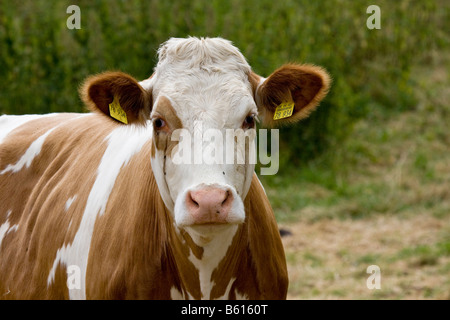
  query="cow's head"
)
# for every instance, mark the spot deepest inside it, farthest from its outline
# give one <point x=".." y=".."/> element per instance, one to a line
<point x="205" y="87"/>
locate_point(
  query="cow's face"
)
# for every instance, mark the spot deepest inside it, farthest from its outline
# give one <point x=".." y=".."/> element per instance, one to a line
<point x="202" y="103"/>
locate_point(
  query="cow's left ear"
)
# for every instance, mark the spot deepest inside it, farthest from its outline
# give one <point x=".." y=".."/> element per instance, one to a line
<point x="118" y="96"/>
<point x="290" y="93"/>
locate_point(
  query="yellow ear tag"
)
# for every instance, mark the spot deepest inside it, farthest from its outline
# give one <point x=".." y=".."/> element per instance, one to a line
<point x="284" y="110"/>
<point x="116" y="111"/>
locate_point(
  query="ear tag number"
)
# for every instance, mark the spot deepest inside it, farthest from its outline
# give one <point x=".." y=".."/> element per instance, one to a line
<point x="116" y="111"/>
<point x="284" y="110"/>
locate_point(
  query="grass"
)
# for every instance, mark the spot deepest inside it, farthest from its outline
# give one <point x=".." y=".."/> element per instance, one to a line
<point x="392" y="163"/>
<point x="328" y="258"/>
<point x="381" y="197"/>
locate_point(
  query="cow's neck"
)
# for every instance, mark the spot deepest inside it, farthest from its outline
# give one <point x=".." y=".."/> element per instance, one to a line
<point x="213" y="259"/>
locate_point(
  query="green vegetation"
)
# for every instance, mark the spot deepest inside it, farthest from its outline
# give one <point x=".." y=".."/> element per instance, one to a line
<point x="393" y="163"/>
<point x="42" y="62"/>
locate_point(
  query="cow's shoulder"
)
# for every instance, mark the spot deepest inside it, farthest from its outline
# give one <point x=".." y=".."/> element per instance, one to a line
<point x="48" y="169"/>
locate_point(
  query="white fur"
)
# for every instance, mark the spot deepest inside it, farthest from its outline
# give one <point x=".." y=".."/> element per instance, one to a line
<point x="215" y="244"/>
<point x="206" y="81"/>
<point x="35" y="148"/>
<point x="6" y="228"/>
<point x="69" y="202"/>
<point x="29" y="155"/>
<point x="9" y="123"/>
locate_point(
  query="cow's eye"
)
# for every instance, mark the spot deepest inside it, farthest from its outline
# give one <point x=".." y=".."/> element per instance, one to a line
<point x="158" y="123"/>
<point x="249" y="121"/>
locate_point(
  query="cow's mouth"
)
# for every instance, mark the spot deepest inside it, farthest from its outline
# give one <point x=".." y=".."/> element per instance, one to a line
<point x="203" y="234"/>
<point x="205" y="227"/>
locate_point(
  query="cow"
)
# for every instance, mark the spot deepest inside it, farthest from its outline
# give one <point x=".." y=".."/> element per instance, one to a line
<point x="92" y="205"/>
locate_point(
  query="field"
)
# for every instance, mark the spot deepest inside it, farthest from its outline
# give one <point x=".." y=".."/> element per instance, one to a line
<point x="364" y="181"/>
<point x="389" y="206"/>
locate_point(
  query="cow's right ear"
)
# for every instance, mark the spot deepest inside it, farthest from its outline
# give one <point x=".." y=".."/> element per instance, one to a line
<point x="118" y="96"/>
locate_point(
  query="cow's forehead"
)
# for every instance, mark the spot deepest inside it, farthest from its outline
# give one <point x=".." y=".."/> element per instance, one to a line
<point x="205" y="79"/>
<point x="210" y="54"/>
<point x="215" y="103"/>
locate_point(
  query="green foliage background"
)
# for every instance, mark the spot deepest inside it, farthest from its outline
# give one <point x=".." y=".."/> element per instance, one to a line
<point x="42" y="62"/>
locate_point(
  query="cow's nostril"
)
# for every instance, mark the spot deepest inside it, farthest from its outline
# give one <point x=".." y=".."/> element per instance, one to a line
<point x="195" y="203"/>
<point x="190" y="201"/>
<point x="226" y="197"/>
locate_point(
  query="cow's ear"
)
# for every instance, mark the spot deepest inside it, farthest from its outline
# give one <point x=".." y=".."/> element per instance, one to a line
<point x="118" y="96"/>
<point x="290" y="93"/>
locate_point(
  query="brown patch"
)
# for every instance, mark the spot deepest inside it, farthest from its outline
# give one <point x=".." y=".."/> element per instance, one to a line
<point x="141" y="255"/>
<point x="188" y="273"/>
<point x="264" y="245"/>
<point x="153" y="151"/>
<point x="162" y="138"/>
<point x="12" y="150"/>
<point x="305" y="85"/>
<point x="98" y="92"/>
<point x="165" y="110"/>
<point x="36" y="196"/>
<point x="196" y="250"/>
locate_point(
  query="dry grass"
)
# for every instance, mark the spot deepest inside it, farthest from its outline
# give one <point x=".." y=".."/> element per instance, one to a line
<point x="327" y="259"/>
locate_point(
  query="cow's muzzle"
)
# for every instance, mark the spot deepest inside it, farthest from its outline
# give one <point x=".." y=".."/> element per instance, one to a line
<point x="209" y="205"/>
